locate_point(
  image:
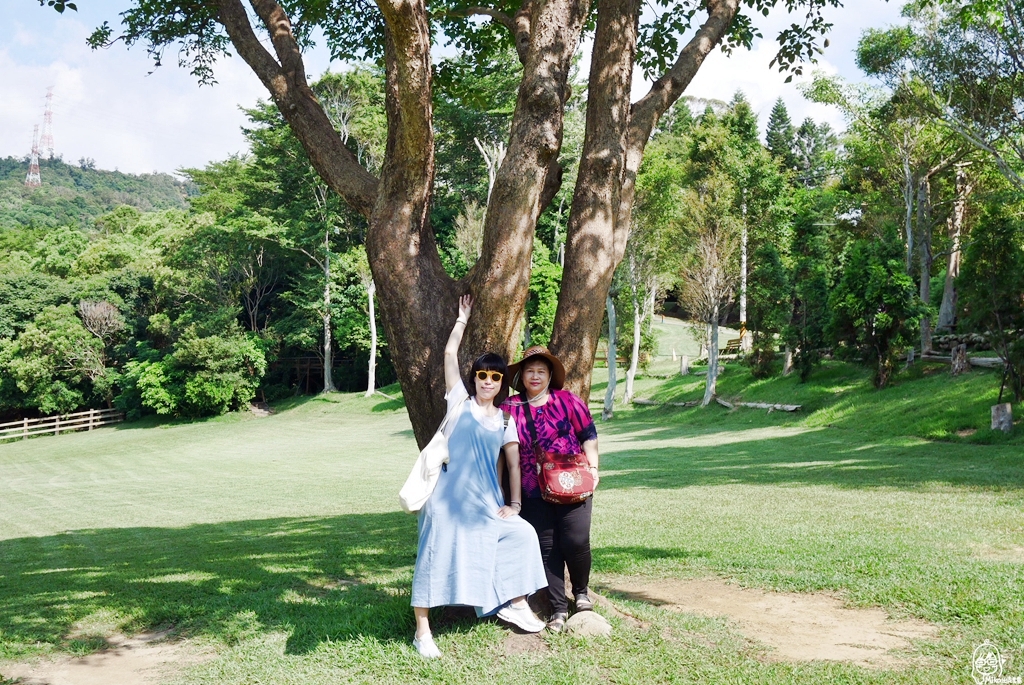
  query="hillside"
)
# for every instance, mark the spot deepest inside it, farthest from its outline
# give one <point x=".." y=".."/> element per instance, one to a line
<point x="73" y="194"/>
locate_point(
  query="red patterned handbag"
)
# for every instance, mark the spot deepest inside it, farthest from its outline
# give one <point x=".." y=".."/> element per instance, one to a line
<point x="564" y="478"/>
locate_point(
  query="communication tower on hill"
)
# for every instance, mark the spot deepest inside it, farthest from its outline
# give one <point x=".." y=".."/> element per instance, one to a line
<point x="33" y="180"/>
<point x="47" y="141"/>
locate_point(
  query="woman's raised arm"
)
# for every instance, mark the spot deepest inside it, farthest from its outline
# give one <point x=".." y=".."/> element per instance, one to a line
<point x="452" y="376"/>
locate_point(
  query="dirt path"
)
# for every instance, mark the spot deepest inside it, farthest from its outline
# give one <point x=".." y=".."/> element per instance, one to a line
<point x="141" y="660"/>
<point x="799" y="627"/>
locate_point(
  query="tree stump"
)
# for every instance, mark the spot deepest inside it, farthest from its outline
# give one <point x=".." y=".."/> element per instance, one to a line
<point x="684" y="366"/>
<point x="910" y="357"/>
<point x="1002" y="417"/>
<point x="959" y="362"/>
<point x="787" y="362"/>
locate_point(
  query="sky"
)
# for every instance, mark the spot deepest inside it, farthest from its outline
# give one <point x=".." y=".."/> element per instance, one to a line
<point x="107" y="106"/>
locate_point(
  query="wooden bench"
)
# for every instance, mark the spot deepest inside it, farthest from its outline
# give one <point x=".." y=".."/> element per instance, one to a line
<point x="732" y="346"/>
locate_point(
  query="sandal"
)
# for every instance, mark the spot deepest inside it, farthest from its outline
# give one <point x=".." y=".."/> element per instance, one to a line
<point x="556" y="623"/>
<point x="583" y="602"/>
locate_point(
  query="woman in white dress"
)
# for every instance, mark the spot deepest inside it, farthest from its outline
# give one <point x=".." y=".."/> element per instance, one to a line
<point x="474" y="549"/>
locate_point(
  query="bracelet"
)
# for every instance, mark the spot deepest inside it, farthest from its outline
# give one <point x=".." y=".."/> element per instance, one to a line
<point x="519" y="503"/>
<point x="462" y="321"/>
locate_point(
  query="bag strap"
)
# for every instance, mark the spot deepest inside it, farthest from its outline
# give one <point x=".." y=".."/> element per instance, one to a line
<point x="450" y="416"/>
<point x="528" y="411"/>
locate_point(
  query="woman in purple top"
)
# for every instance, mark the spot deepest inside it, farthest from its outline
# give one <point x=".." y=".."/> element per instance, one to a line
<point x="563" y="425"/>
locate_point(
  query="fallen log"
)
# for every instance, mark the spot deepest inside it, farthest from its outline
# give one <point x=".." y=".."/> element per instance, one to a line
<point x="651" y="403"/>
<point x="987" y="362"/>
<point x="722" y="402"/>
<point x="770" y="407"/>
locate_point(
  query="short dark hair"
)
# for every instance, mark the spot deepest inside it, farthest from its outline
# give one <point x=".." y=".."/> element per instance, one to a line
<point x="489" y="361"/>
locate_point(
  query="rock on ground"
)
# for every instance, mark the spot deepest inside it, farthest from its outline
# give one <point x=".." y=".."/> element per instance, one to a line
<point x="588" y="623"/>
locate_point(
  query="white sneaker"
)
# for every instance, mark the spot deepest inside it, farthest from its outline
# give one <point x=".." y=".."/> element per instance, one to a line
<point x="522" y="617"/>
<point x="426" y="646"/>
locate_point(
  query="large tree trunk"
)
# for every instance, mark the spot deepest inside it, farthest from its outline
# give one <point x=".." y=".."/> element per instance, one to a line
<point x="616" y="136"/>
<point x="955" y="228"/>
<point x="418" y="300"/>
<point x="593" y="249"/>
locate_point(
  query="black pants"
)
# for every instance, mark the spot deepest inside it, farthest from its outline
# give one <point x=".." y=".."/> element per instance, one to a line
<point x="564" y="534"/>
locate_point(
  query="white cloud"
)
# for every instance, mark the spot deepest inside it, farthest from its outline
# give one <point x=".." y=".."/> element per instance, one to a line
<point x="108" y="108"/>
<point x="722" y="75"/>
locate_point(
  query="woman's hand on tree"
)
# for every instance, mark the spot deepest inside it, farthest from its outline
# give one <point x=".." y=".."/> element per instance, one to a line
<point x="465" y="307"/>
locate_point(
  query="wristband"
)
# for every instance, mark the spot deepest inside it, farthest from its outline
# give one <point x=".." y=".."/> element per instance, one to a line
<point x="462" y="321"/>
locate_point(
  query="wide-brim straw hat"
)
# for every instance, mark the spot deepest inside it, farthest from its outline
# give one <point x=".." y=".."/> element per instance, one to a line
<point x="557" y="370"/>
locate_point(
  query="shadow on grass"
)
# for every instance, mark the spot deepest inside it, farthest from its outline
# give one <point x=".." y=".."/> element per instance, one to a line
<point x="625" y="559"/>
<point x="316" y="578"/>
<point x="756" y="454"/>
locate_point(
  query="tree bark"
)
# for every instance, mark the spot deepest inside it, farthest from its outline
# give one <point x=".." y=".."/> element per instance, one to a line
<point x="592" y="250"/>
<point x="609" y="394"/>
<point x="418" y="300"/>
<point x="955" y="228"/>
<point x="606" y="185"/>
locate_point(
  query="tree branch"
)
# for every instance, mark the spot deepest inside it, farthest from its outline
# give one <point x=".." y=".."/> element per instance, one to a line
<point x="285" y="79"/>
<point x="496" y="15"/>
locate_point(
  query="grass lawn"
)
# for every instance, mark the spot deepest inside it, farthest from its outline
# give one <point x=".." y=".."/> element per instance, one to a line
<point x="277" y="542"/>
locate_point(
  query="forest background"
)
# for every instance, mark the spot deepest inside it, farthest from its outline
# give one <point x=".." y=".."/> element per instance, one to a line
<point x="249" y="278"/>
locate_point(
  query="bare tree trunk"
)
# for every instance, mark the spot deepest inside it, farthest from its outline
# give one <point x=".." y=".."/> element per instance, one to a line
<point x="634" y="356"/>
<point x="787" y="361"/>
<point x="745" y="337"/>
<point x="908" y="202"/>
<point x="328" y="342"/>
<point x="712" y="379"/>
<point x="609" y="394"/>
<point x="371" y="382"/>
<point x="924" y="228"/>
<point x="955" y="228"/>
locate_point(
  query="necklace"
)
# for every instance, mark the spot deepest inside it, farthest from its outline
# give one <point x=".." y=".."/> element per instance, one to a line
<point x="539" y="397"/>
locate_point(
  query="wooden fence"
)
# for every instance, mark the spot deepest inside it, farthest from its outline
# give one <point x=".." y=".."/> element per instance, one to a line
<point x="83" y="420"/>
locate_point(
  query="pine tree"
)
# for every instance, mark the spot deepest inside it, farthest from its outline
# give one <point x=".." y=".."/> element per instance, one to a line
<point x="741" y="120"/>
<point x="781" y="136"/>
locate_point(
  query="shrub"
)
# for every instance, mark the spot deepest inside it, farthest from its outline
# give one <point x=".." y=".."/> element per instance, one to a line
<point x="874" y="306"/>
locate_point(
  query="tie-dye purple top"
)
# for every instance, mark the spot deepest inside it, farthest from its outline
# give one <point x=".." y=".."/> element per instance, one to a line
<point x="563" y="425"/>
